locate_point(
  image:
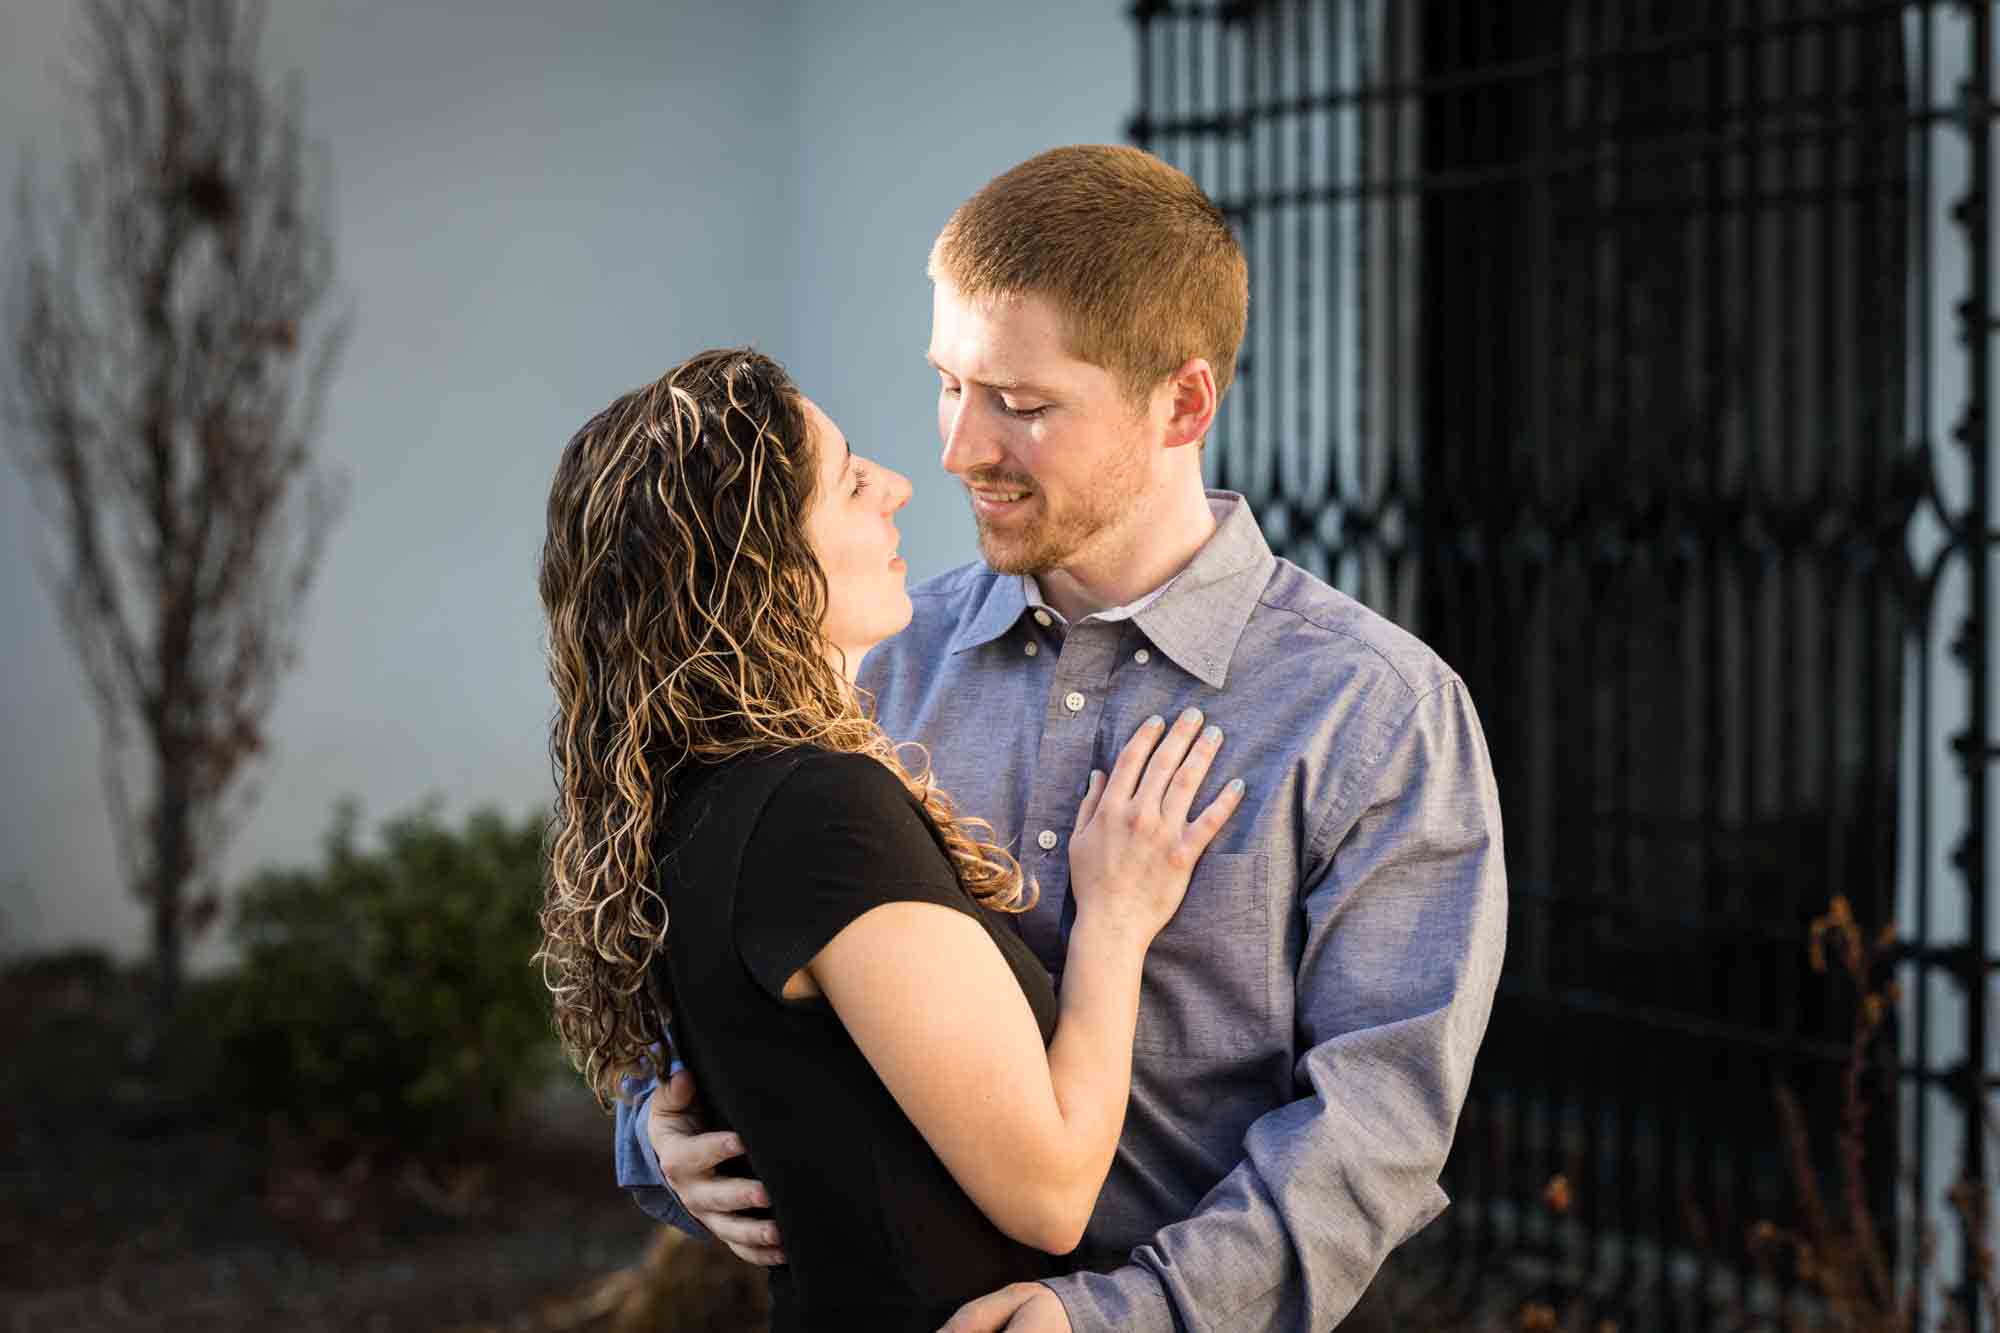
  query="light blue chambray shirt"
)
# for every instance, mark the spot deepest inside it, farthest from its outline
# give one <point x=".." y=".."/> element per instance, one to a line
<point x="1309" y="1018"/>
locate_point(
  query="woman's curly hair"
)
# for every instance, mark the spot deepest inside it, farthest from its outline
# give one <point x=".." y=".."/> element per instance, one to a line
<point x="684" y="603"/>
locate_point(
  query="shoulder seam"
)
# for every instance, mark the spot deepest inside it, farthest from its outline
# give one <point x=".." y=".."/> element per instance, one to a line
<point x="1316" y="844"/>
<point x="820" y="757"/>
<point x="1416" y="690"/>
<point x="839" y="766"/>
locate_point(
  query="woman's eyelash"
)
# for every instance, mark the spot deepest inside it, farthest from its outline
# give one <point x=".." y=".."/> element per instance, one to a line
<point x="860" y="482"/>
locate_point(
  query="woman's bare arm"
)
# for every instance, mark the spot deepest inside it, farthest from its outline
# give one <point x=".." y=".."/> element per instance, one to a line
<point x="1027" y="1131"/>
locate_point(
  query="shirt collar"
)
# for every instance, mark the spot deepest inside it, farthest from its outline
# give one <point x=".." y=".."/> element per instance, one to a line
<point x="1199" y="618"/>
<point x="1005" y="601"/>
<point x="1031" y="593"/>
<point x="1195" y="619"/>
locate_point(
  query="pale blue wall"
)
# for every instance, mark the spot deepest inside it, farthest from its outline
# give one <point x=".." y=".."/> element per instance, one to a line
<point x="539" y="207"/>
<point x="902" y="120"/>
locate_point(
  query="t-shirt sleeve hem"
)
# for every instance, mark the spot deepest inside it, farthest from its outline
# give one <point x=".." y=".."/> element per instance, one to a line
<point x="771" y="962"/>
<point x="839" y="837"/>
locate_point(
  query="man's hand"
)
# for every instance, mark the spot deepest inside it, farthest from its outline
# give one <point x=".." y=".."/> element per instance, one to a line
<point x="688" y="1158"/>
<point x="1025" y="1307"/>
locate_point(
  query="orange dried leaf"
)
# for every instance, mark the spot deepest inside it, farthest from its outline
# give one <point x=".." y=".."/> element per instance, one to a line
<point x="1536" y="1317"/>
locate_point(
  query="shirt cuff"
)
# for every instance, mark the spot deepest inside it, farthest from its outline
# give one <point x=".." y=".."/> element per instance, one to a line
<point x="1125" y="1300"/>
<point x="638" y="1166"/>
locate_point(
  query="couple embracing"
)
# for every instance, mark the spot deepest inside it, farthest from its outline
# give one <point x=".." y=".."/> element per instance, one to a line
<point x="1096" y="936"/>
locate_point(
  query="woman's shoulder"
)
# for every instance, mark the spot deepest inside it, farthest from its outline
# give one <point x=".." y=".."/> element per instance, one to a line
<point x="827" y="781"/>
<point x="849" y="808"/>
<point x="846" y="822"/>
<point x="805" y="779"/>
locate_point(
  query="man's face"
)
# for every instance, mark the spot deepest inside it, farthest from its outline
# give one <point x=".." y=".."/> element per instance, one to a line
<point x="1055" y="459"/>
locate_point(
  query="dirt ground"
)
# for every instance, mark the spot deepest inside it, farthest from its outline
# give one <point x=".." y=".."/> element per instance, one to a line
<point x="113" y="1222"/>
<point x="125" y="1205"/>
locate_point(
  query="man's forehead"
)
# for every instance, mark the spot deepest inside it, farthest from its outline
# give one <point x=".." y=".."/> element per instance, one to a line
<point x="1011" y="306"/>
<point x="1008" y="341"/>
<point x="1002" y="371"/>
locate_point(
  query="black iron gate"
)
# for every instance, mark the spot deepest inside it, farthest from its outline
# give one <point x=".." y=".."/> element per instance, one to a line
<point x="1634" y="353"/>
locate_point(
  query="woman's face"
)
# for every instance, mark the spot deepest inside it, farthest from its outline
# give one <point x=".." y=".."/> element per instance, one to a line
<point x="853" y="532"/>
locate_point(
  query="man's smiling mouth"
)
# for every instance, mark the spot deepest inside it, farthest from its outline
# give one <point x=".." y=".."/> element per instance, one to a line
<point x="991" y="496"/>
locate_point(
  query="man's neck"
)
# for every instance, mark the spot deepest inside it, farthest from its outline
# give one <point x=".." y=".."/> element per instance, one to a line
<point x="1157" y="544"/>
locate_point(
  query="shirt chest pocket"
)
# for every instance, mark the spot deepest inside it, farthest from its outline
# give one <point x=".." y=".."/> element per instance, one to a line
<point x="1207" y="988"/>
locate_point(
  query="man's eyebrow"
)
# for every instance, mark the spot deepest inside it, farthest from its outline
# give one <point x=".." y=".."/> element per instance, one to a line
<point x="1004" y="384"/>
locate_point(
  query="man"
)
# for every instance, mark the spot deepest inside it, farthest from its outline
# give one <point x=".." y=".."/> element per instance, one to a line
<point x="1310" y="1017"/>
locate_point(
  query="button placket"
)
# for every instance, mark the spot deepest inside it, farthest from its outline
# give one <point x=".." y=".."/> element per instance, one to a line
<point x="1082" y="664"/>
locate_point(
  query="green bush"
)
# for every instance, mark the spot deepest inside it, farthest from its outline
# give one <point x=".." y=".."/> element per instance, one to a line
<point x="391" y="994"/>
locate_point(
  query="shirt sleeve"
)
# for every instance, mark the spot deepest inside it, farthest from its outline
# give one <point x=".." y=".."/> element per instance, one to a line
<point x="1405" y="927"/>
<point x="639" y="1169"/>
<point x="839" y="836"/>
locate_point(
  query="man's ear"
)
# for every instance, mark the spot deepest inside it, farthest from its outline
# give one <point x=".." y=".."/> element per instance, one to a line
<point x="1192" y="402"/>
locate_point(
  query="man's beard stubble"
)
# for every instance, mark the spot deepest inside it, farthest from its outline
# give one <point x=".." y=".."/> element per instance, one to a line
<point x="1047" y="543"/>
<point x="1056" y="539"/>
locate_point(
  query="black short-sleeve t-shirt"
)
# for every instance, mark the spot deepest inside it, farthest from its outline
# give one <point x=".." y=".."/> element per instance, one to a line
<point x="764" y="859"/>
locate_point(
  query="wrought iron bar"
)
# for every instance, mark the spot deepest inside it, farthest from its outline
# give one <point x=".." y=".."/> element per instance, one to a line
<point x="1647" y="496"/>
<point x="1510" y="73"/>
<point x="1973" y="433"/>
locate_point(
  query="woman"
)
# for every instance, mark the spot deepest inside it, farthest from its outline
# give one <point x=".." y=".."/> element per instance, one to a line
<point x="737" y="846"/>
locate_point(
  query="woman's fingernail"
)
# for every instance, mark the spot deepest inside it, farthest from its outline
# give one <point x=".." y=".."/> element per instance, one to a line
<point x="1190" y="715"/>
<point x="1156" y="721"/>
<point x="1212" y="736"/>
<point x="1236" y="786"/>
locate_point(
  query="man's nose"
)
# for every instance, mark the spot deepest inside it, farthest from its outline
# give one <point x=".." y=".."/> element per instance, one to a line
<point x="967" y="443"/>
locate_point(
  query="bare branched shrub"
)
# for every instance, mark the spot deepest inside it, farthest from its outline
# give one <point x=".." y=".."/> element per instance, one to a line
<point x="1836" y="1251"/>
<point x="1835" y="1254"/>
<point x="171" y="344"/>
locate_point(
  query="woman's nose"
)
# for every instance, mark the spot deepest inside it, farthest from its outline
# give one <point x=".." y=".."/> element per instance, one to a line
<point x="899" y="490"/>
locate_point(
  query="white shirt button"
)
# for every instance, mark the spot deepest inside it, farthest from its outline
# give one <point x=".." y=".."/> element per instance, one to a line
<point x="1047" y="839"/>
<point x="1031" y="648"/>
<point x="1042" y="618"/>
<point x="1142" y="657"/>
<point x="1073" y="701"/>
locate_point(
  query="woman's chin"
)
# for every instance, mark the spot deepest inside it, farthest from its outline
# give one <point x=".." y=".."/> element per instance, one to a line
<point x="892" y="626"/>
